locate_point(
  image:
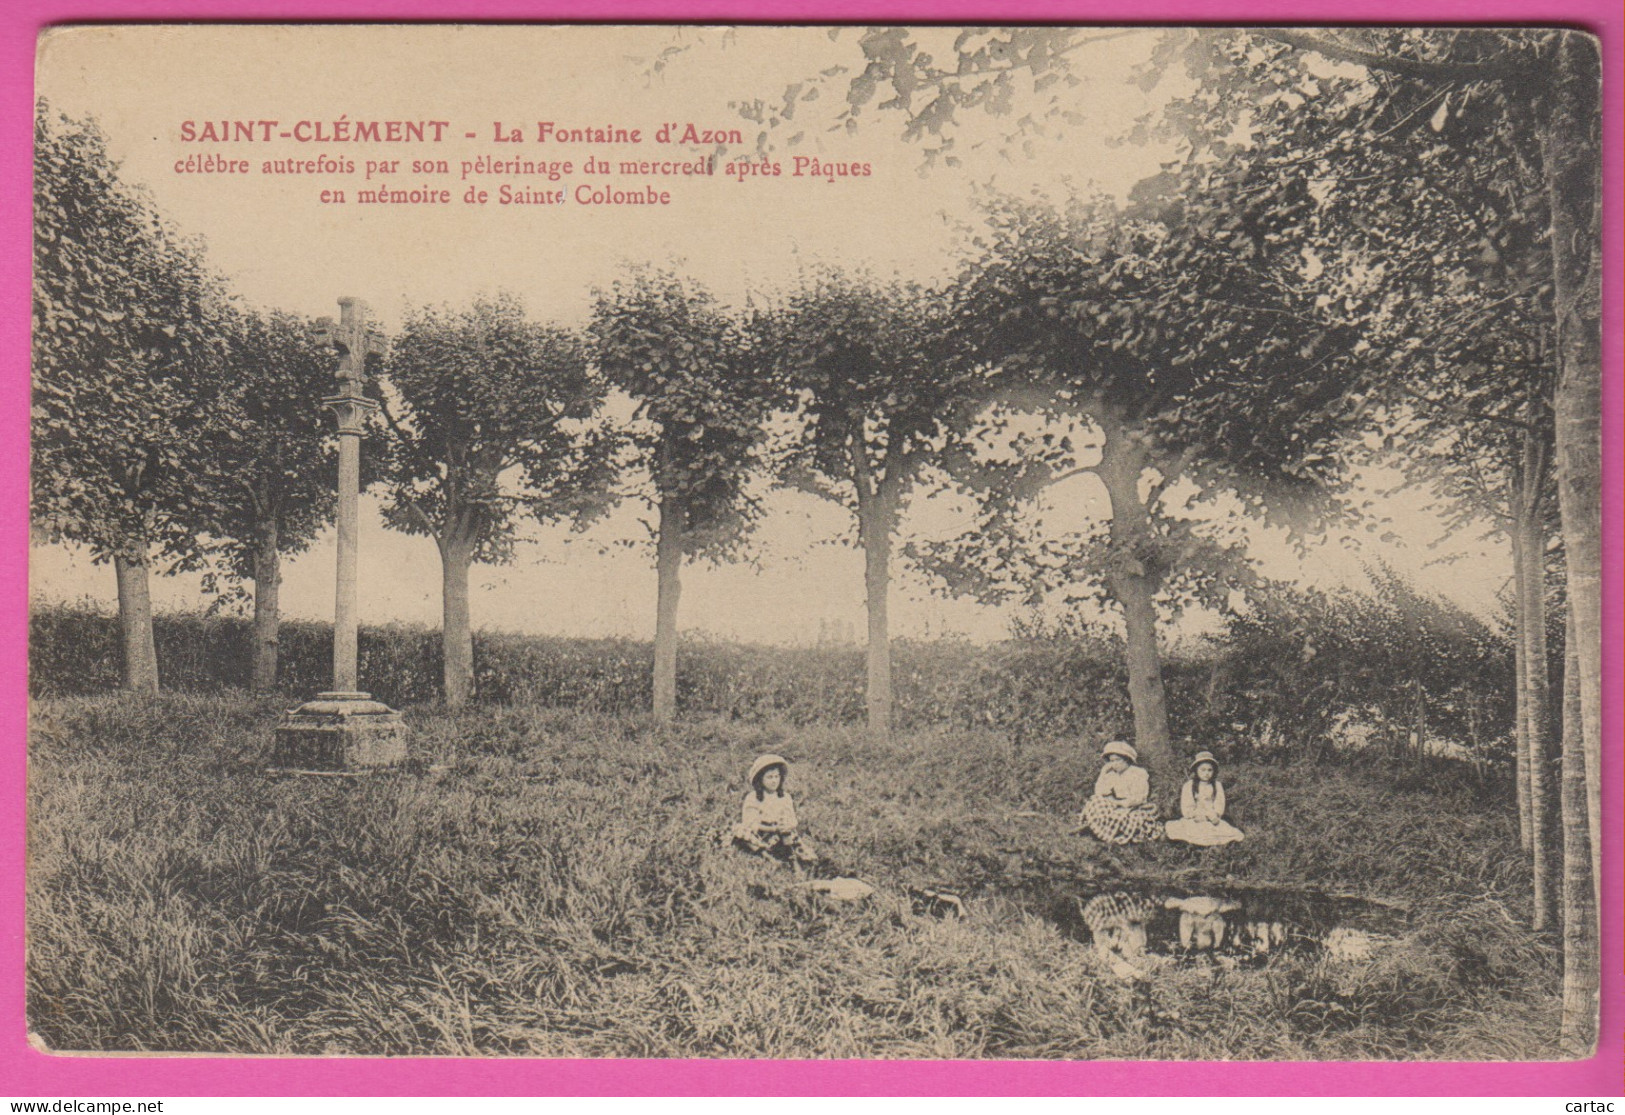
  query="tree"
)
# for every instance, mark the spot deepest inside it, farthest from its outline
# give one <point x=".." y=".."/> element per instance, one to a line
<point x="125" y="345"/>
<point x="666" y="343"/>
<point x="1570" y="149"/>
<point x="490" y="419"/>
<point x="1174" y="330"/>
<point x="1500" y="471"/>
<point x="881" y="398"/>
<point x="1472" y="414"/>
<point x="266" y="466"/>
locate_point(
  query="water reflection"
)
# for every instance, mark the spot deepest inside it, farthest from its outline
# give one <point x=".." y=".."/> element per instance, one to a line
<point x="1117" y="925"/>
<point x="1127" y="928"/>
<point x="1201" y="921"/>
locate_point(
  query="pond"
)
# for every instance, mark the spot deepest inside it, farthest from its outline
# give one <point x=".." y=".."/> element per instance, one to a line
<point x="1135" y="923"/>
<point x="1128" y="921"/>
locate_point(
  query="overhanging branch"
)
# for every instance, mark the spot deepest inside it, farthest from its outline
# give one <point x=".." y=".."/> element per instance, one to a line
<point x="1500" y="70"/>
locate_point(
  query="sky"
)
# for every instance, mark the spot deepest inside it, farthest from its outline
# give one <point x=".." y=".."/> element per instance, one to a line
<point x="282" y="247"/>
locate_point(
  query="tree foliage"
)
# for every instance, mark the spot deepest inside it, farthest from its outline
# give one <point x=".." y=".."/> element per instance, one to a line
<point x="931" y="77"/>
<point x="699" y="425"/>
<point x="268" y="455"/>
<point x="1179" y="316"/>
<point x="870" y="368"/>
<point x="490" y="420"/>
<point x="125" y="356"/>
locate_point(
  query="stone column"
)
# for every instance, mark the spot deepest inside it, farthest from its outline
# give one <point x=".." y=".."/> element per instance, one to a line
<point x="345" y="728"/>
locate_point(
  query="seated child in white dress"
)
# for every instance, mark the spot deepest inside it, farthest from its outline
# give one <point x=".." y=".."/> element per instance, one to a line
<point x="1201" y="807"/>
<point x="767" y="823"/>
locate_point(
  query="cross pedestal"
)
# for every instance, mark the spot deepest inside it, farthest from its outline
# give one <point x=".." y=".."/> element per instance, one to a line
<point x="340" y="731"/>
<point x="345" y="729"/>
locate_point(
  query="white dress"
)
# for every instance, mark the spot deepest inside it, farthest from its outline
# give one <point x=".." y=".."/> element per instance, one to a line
<point x="1201" y="817"/>
<point x="769" y="825"/>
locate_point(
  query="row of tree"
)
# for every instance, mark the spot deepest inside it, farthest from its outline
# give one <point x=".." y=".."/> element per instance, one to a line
<point x="1098" y="316"/>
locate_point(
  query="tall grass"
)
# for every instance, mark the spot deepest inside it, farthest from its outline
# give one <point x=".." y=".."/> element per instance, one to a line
<point x="549" y="882"/>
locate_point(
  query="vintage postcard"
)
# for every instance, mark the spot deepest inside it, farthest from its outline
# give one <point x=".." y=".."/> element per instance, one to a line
<point x="1050" y="543"/>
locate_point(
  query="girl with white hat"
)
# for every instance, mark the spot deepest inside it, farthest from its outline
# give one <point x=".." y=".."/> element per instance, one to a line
<point x="767" y="823"/>
<point x="1201" y="807"/>
<point x="1120" y="811"/>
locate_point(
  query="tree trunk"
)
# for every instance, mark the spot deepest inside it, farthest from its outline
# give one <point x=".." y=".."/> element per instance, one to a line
<point x="1419" y="723"/>
<point x="456" y="639"/>
<point x="877" y="512"/>
<point x="1582" y="964"/>
<point x="1520" y="675"/>
<point x="875" y="529"/>
<point x="1133" y="586"/>
<point x="668" y="575"/>
<point x="1475" y="735"/>
<point x="1145" y="690"/>
<point x="1570" y="153"/>
<point x="135" y="622"/>
<point x="267" y="609"/>
<point x="1529" y="525"/>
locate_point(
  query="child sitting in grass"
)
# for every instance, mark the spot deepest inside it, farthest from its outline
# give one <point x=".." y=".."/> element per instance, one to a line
<point x="767" y="825"/>
<point x="1201" y="807"/>
<point x="1120" y="812"/>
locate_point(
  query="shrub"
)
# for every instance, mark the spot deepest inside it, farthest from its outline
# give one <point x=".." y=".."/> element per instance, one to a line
<point x="1037" y="689"/>
<point x="1294" y="673"/>
<point x="1310" y="663"/>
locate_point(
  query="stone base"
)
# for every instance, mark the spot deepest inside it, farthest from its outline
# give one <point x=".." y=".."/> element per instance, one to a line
<point x="340" y="731"/>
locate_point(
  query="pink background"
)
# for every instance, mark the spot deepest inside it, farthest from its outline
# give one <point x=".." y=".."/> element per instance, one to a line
<point x="26" y="1073"/>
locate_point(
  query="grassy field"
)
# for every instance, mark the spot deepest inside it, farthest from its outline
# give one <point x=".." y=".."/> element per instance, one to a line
<point x="549" y="883"/>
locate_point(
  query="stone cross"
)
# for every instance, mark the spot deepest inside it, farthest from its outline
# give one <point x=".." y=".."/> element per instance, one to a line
<point x="354" y="338"/>
<point x="345" y="729"/>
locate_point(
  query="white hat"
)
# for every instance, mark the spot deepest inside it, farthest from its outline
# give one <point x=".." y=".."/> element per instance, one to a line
<point x="763" y="762"/>
<point x="1118" y="747"/>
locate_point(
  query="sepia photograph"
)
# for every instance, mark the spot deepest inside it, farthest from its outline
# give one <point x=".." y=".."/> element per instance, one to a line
<point x="1040" y="543"/>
